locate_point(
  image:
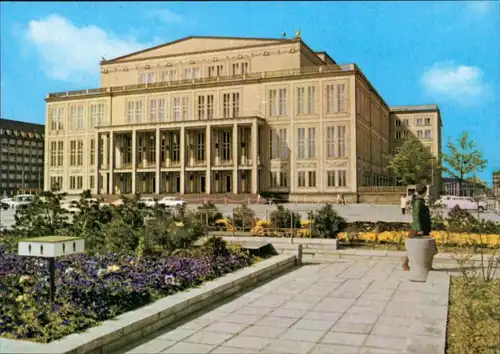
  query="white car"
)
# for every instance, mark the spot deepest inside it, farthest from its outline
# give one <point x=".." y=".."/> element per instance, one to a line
<point x="70" y="206"/>
<point x="467" y="203"/>
<point x="19" y="201"/>
<point x="171" y="202"/>
<point x="150" y="202"/>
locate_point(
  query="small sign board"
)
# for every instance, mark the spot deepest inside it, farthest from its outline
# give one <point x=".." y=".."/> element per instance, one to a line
<point x="51" y="246"/>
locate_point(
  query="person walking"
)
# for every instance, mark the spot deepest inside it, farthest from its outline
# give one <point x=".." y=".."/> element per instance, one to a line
<point x="342" y="198"/>
<point x="421" y="225"/>
<point x="403" y="204"/>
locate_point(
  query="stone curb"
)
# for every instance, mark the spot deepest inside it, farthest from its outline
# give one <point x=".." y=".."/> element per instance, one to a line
<point x="122" y="330"/>
<point x="428" y="331"/>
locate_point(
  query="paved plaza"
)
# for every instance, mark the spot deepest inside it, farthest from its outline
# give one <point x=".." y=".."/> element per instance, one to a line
<point x="359" y="306"/>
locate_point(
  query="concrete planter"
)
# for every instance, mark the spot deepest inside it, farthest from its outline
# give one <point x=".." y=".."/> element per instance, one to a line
<point x="421" y="251"/>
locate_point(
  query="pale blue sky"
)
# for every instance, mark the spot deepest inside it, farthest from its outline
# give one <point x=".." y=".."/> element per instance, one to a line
<point x="446" y="53"/>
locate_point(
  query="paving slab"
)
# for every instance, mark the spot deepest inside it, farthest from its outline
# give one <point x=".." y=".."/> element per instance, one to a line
<point x="366" y="306"/>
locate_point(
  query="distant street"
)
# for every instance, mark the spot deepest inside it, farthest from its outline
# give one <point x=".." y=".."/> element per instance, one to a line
<point x="352" y="212"/>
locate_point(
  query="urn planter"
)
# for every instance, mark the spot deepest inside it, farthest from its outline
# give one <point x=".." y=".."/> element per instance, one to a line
<point x="421" y="251"/>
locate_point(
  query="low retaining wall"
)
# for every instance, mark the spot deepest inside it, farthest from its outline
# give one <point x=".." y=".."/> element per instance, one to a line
<point x="310" y="248"/>
<point x="134" y="325"/>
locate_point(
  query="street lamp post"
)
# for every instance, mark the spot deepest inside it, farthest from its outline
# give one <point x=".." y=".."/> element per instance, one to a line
<point x="51" y="247"/>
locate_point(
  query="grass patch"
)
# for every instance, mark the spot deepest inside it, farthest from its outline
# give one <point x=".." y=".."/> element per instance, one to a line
<point x="474" y="316"/>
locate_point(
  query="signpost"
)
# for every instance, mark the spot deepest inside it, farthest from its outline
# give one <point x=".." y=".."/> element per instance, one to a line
<point x="51" y="247"/>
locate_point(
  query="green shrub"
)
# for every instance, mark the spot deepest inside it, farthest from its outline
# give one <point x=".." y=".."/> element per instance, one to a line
<point x="283" y="218"/>
<point x="460" y="220"/>
<point x="243" y="217"/>
<point x="326" y="222"/>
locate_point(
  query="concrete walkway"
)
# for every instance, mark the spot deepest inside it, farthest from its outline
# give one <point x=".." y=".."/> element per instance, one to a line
<point x="354" y="306"/>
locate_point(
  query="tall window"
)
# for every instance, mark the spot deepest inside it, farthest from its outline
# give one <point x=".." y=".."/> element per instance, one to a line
<point x="72" y="153"/>
<point x="168" y="75"/>
<point x="283" y="179"/>
<point x="192" y="73"/>
<point x="336" y="141"/>
<point x="272" y="103"/>
<point x="420" y="121"/>
<point x="282" y="102"/>
<point x="420" y="134"/>
<point x="341" y="99"/>
<point x="181" y="108"/>
<point x="311" y="143"/>
<point x="75" y="182"/>
<point x="60" y="153"/>
<point x="341" y="143"/>
<point x="311" y="178"/>
<point x="311" y="99"/>
<point x="301" y="148"/>
<point x="53" y="153"/>
<point x="277" y="102"/>
<point x="226" y="145"/>
<point x="79" y="153"/>
<point x="330" y="142"/>
<point x="427" y="121"/>
<point x="427" y="134"/>
<point x="76" y="117"/>
<point x="273" y="179"/>
<point x="134" y="112"/>
<point x="205" y="107"/>
<point x="301" y="100"/>
<point x="336" y="178"/>
<point x="92" y="152"/>
<point x="215" y="70"/>
<point x="96" y="114"/>
<point x="283" y="145"/>
<point x="147" y="77"/>
<point x="301" y="178"/>
<point x="336" y="100"/>
<point x="56" y="118"/>
<point x="240" y="68"/>
<point x="200" y="147"/>
<point x="231" y="105"/>
<point x="157" y="110"/>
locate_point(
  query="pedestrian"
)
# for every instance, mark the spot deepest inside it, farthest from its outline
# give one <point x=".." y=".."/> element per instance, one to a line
<point x="339" y="200"/>
<point x="342" y="198"/>
<point x="403" y="204"/>
<point x="421" y="225"/>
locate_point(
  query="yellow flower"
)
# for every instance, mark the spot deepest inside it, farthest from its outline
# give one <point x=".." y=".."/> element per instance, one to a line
<point x="305" y="223"/>
<point x="24" y="278"/>
<point x="112" y="268"/>
<point x="179" y="224"/>
<point x="20" y="298"/>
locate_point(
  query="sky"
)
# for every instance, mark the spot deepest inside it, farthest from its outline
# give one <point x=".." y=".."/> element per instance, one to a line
<point x="447" y="53"/>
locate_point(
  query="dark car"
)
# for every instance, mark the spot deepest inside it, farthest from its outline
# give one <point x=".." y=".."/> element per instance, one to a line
<point x="277" y="199"/>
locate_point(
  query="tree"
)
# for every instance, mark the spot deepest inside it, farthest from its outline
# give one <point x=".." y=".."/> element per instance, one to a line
<point x="465" y="158"/>
<point x="412" y="163"/>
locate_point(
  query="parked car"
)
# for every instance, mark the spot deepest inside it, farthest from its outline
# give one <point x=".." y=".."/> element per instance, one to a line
<point x="20" y="201"/>
<point x="277" y="199"/>
<point x="71" y="206"/>
<point x="4" y="203"/>
<point x="171" y="202"/>
<point x="467" y="203"/>
<point x="150" y="202"/>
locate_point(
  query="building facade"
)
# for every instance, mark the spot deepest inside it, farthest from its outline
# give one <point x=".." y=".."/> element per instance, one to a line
<point x="225" y="115"/>
<point x="496" y="183"/>
<point x="21" y="157"/>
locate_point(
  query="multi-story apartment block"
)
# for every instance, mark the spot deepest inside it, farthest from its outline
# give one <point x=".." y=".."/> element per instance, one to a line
<point x="423" y="122"/>
<point x="222" y="115"/>
<point x="21" y="157"/>
<point x="496" y="183"/>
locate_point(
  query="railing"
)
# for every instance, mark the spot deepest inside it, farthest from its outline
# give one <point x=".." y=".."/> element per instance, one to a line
<point x="178" y="83"/>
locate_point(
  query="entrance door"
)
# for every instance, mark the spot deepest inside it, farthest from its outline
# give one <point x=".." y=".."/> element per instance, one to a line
<point x="228" y="184"/>
<point x="202" y="184"/>
<point x="178" y="184"/>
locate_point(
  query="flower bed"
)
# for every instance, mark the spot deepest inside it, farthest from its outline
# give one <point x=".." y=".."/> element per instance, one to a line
<point x="443" y="238"/>
<point x="91" y="289"/>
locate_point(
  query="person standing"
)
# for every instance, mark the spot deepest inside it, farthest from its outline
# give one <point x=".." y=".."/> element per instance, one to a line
<point x="421" y="225"/>
<point x="403" y="204"/>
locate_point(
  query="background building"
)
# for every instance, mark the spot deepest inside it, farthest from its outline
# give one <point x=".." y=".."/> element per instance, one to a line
<point x="21" y="157"/>
<point x="227" y="115"/>
<point x="496" y="183"/>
